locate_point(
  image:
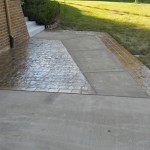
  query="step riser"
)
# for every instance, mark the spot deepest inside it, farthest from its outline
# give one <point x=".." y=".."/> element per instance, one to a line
<point x="33" y="28"/>
<point x="30" y="24"/>
<point x="36" y="31"/>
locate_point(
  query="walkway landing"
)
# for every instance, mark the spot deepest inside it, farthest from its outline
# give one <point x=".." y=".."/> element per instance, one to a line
<point x="105" y="73"/>
<point x="66" y="62"/>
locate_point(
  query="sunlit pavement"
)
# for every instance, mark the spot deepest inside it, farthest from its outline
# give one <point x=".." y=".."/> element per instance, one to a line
<point x="110" y="110"/>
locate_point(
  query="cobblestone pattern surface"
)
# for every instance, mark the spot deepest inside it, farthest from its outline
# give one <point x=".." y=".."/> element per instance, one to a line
<point x="42" y="65"/>
<point x="138" y="70"/>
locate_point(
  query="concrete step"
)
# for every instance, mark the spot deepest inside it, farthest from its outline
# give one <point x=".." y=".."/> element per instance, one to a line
<point x="30" y="24"/>
<point x="33" y="28"/>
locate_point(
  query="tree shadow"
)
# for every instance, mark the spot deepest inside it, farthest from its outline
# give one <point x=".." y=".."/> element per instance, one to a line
<point x="131" y="36"/>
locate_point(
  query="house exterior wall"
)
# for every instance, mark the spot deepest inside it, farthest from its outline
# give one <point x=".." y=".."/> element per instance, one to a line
<point x="18" y="26"/>
<point x="4" y="35"/>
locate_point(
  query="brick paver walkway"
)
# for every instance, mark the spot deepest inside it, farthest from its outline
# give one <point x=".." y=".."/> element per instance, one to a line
<point x="42" y="65"/>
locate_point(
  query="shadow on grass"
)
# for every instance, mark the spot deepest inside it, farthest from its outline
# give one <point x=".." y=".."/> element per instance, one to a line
<point x="135" y="39"/>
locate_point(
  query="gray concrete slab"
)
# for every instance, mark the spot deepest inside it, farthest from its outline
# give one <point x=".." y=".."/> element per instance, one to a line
<point x="96" y="61"/>
<point x="84" y="40"/>
<point x="59" y="35"/>
<point x="35" y="121"/>
<point x="115" y="83"/>
<point x="86" y="43"/>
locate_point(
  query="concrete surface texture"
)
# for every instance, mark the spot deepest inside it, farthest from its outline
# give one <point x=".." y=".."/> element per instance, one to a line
<point x="116" y="117"/>
<point x="43" y="121"/>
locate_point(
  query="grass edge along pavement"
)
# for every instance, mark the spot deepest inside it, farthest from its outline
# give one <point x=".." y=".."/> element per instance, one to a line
<point x="137" y="70"/>
<point x="128" y="23"/>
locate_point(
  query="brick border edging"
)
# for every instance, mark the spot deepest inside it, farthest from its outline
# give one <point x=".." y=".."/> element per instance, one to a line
<point x="135" y="67"/>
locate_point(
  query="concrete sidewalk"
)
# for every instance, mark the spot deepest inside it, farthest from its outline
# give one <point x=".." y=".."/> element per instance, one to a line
<point x="103" y="71"/>
<point x="116" y="117"/>
<point x="43" y="121"/>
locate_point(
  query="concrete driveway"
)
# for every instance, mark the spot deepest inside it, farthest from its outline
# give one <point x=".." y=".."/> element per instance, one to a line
<point x="113" y="115"/>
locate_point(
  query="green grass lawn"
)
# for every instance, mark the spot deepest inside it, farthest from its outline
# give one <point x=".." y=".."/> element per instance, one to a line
<point x="128" y="23"/>
<point x="142" y="1"/>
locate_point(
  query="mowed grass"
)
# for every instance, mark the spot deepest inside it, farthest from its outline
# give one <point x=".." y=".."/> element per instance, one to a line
<point x="142" y="1"/>
<point x="128" y="23"/>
